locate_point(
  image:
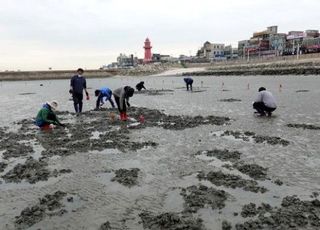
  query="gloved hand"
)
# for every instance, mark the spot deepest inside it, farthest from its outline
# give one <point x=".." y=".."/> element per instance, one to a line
<point x="70" y="91"/>
<point x="128" y="104"/>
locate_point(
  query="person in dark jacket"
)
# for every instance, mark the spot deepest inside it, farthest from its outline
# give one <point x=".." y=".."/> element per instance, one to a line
<point x="46" y="116"/>
<point x="188" y="81"/>
<point x="140" y="86"/>
<point x="77" y="85"/>
<point x="121" y="96"/>
<point x="104" y="92"/>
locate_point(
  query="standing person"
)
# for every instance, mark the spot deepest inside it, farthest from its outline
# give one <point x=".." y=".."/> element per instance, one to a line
<point x="140" y="86"/>
<point x="121" y="96"/>
<point x="46" y="116"/>
<point x="265" y="102"/>
<point x="188" y="81"/>
<point x="101" y="93"/>
<point x="77" y="85"/>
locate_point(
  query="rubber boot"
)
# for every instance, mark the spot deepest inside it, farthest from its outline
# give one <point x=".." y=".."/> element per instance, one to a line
<point x="125" y="117"/>
<point x="121" y="116"/>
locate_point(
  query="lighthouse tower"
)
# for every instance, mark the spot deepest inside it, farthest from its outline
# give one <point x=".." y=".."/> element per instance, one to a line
<point x="147" y="51"/>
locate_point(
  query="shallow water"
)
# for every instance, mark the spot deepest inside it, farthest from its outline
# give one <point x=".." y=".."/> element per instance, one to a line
<point x="172" y="163"/>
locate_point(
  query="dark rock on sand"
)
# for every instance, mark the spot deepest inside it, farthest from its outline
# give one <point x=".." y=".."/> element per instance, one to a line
<point x="249" y="210"/>
<point x="230" y="100"/>
<point x="222" y="154"/>
<point x="127" y="177"/>
<point x="226" y="225"/>
<point x="170" y="221"/>
<point x="105" y="226"/>
<point x="201" y="196"/>
<point x="32" y="171"/>
<point x="32" y="215"/>
<point x="293" y="214"/>
<point x="255" y="171"/>
<point x="245" y="136"/>
<point x="229" y="180"/>
<point x="3" y="165"/>
<point x="303" y="126"/>
<point x="155" y="92"/>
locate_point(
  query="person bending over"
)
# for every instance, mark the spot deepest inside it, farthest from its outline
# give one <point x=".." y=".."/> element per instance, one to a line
<point x="77" y="85"/>
<point x="106" y="93"/>
<point x="46" y="116"/>
<point x="189" y="82"/>
<point x="140" y="86"/>
<point x="121" y="96"/>
<point x="265" y="102"/>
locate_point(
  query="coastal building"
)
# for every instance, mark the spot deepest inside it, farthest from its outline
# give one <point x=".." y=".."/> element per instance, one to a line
<point x="230" y="53"/>
<point x="124" y="61"/>
<point x="147" y="51"/>
<point x="211" y="51"/>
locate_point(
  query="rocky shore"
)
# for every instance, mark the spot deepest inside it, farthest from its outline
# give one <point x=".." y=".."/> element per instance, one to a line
<point x="281" y="68"/>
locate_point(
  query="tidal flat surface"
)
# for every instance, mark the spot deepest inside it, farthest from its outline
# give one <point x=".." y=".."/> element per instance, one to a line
<point x="176" y="169"/>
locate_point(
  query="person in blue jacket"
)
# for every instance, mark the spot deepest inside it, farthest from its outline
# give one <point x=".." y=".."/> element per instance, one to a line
<point x="106" y="93"/>
<point x="188" y="81"/>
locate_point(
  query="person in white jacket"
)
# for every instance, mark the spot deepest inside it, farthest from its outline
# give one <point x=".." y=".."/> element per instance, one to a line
<point x="121" y="96"/>
<point x="265" y="102"/>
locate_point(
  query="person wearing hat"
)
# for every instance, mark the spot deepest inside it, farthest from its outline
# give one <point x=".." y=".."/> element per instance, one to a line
<point x="46" y="116"/>
<point x="77" y="85"/>
<point x="189" y="82"/>
<point x="140" y="86"/>
<point x="101" y="93"/>
<point x="265" y="102"/>
<point x="121" y="96"/>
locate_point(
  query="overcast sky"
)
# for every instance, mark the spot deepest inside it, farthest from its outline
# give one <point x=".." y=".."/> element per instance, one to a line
<point x="67" y="34"/>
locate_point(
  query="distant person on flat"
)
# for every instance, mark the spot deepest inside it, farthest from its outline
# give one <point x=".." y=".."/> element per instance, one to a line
<point x="106" y="93"/>
<point x="265" y="103"/>
<point x="140" y="86"/>
<point x="77" y="85"/>
<point x="188" y="81"/>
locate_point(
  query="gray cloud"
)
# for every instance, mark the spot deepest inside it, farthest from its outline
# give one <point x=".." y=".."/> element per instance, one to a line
<point x="68" y="33"/>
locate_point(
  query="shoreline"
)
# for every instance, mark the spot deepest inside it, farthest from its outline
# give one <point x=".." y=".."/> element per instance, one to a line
<point x="249" y="69"/>
<point x="301" y="67"/>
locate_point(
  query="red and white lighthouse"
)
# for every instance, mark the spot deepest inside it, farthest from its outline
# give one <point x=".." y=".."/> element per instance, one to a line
<point x="147" y="51"/>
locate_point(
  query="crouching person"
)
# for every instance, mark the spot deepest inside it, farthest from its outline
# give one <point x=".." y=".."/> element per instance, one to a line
<point x="46" y="117"/>
<point x="121" y="96"/>
<point x="265" y="103"/>
<point x="189" y="82"/>
<point x="103" y="93"/>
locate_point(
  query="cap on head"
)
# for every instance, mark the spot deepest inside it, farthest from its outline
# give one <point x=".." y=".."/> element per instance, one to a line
<point x="262" y="89"/>
<point x="53" y="104"/>
<point x="96" y="92"/>
<point x="129" y="91"/>
<point x="80" y="70"/>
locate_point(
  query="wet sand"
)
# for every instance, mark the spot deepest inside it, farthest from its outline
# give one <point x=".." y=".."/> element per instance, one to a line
<point x="167" y="171"/>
